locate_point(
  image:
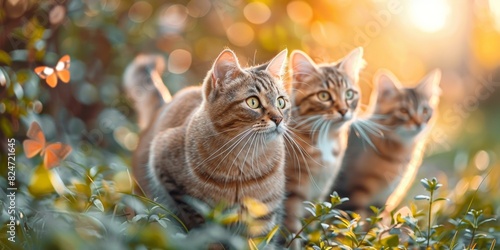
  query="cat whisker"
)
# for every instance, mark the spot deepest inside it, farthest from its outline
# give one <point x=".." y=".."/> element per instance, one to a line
<point x="218" y="133"/>
<point x="303" y="153"/>
<point x="251" y="139"/>
<point x="261" y="140"/>
<point x="364" y="128"/>
<point x="215" y="155"/>
<point x="307" y="120"/>
<point x="317" y="126"/>
<point x="252" y="136"/>
<point x="229" y="150"/>
<point x="248" y="151"/>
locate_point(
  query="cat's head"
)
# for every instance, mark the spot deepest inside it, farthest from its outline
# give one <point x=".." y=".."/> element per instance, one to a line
<point x="329" y="92"/>
<point x="247" y="99"/>
<point x="405" y="111"/>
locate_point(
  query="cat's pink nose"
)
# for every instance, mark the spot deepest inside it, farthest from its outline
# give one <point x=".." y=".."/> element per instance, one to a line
<point x="277" y="119"/>
<point x="343" y="111"/>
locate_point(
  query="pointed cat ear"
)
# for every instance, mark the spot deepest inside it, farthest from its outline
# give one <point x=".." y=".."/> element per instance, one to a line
<point x="302" y="64"/>
<point x="277" y="65"/>
<point x="353" y="63"/>
<point x="225" y="65"/>
<point x="429" y="85"/>
<point x="387" y="83"/>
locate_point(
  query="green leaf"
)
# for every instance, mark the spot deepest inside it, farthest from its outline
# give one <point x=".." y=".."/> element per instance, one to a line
<point x="139" y="217"/>
<point x="271" y="234"/>
<point x="425" y="183"/>
<point x="375" y="209"/>
<point x="310" y="210"/>
<point x="421" y="240"/>
<point x="390" y="241"/>
<point x="422" y="197"/>
<point x="468" y="222"/>
<point x="441" y="199"/>
<point x="163" y="223"/>
<point x="395" y="231"/>
<point x="5" y="58"/>
<point x="98" y="204"/>
<point x="486" y="220"/>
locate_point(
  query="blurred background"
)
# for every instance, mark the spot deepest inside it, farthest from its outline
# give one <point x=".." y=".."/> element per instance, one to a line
<point x="408" y="37"/>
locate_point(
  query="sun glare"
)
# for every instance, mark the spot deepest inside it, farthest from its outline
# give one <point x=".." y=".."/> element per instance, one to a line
<point x="495" y="11"/>
<point x="429" y="15"/>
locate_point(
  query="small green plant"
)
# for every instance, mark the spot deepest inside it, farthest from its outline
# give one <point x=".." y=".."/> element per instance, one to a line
<point x="474" y="220"/>
<point x="411" y="226"/>
<point x="431" y="186"/>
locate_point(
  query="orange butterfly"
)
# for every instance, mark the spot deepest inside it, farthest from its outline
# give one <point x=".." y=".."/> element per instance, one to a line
<point x="52" y="153"/>
<point x="61" y="71"/>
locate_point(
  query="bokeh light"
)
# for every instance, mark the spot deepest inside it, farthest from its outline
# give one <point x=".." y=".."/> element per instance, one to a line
<point x="257" y="12"/>
<point x="3" y="78"/>
<point x="126" y="138"/>
<point x="173" y="18"/>
<point x="140" y="11"/>
<point x="179" y="61"/>
<point x="36" y="106"/>
<point x="482" y="160"/>
<point x="57" y="14"/>
<point x="87" y="93"/>
<point x="198" y="8"/>
<point x="299" y="11"/>
<point x="110" y="5"/>
<point x="495" y="11"/>
<point x="429" y="15"/>
<point x="240" y="34"/>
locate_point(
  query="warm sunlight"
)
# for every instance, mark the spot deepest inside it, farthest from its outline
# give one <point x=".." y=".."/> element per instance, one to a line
<point x="429" y="15"/>
<point x="495" y="11"/>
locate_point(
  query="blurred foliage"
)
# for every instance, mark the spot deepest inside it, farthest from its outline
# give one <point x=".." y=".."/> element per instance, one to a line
<point x="88" y="201"/>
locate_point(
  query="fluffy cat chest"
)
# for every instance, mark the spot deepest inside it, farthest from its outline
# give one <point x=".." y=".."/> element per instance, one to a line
<point x="329" y="151"/>
<point x="266" y="188"/>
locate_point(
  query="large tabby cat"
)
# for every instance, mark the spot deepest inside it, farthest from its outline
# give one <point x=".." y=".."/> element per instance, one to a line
<point x="221" y="142"/>
<point x="374" y="163"/>
<point x="325" y="99"/>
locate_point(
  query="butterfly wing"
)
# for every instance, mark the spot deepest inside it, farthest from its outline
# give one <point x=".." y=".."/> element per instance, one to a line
<point x="40" y="72"/>
<point x="55" y="153"/>
<point x="52" y="80"/>
<point x="32" y="147"/>
<point x="48" y="74"/>
<point x="64" y="62"/>
<point x="36" y="141"/>
<point x="64" y="75"/>
<point x="62" y="68"/>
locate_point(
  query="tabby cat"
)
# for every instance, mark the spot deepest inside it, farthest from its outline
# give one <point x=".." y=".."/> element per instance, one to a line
<point x="325" y="99"/>
<point x="374" y="163"/>
<point x="218" y="143"/>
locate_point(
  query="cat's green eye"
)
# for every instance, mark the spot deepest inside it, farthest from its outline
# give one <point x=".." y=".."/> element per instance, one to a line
<point x="253" y="102"/>
<point x="349" y="94"/>
<point x="324" y="96"/>
<point x="281" y="103"/>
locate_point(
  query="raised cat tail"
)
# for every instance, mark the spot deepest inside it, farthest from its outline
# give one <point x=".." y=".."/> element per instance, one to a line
<point x="144" y="86"/>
